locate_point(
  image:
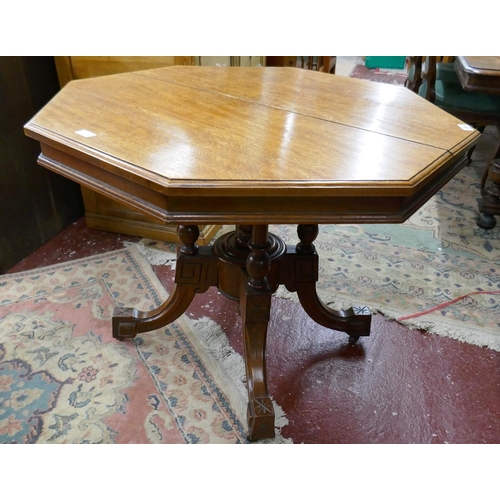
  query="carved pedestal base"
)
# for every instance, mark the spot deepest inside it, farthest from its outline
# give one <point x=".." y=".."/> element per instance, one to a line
<point x="247" y="265"/>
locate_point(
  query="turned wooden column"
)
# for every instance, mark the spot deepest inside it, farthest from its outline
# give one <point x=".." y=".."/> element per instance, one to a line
<point x="188" y="235"/>
<point x="307" y="233"/>
<point x="255" y="307"/>
<point x="259" y="262"/>
<point x="243" y="236"/>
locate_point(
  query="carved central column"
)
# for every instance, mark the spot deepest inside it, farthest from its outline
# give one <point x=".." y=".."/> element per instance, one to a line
<point x="258" y="262"/>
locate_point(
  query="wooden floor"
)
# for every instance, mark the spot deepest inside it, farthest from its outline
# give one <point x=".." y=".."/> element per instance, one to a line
<point x="396" y="386"/>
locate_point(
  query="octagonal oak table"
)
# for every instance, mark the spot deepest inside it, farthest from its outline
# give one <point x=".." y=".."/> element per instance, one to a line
<point x="251" y="147"/>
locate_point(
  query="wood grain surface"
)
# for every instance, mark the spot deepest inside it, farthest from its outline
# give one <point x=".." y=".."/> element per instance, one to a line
<point x="239" y="144"/>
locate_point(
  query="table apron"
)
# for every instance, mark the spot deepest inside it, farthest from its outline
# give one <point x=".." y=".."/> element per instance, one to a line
<point x="361" y="206"/>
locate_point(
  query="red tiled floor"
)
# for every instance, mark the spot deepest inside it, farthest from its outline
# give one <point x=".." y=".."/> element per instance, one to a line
<point x="396" y="386"/>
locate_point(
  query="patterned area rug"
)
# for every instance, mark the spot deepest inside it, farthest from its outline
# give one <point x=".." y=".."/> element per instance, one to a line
<point x="436" y="257"/>
<point x="439" y="259"/>
<point x="64" y="379"/>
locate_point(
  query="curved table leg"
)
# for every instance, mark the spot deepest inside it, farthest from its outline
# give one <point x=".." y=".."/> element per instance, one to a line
<point x="196" y="270"/>
<point x="255" y="307"/>
<point x="355" y="321"/>
<point x="299" y="274"/>
<point x="128" y="322"/>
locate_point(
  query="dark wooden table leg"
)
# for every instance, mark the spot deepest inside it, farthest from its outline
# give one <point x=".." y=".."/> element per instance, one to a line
<point x="489" y="205"/>
<point x="196" y="270"/>
<point x="299" y="273"/>
<point x="255" y="307"/>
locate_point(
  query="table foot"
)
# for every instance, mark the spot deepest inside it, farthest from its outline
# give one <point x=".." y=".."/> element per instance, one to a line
<point x="485" y="221"/>
<point x="260" y="417"/>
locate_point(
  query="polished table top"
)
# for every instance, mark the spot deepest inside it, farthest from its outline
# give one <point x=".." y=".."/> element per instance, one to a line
<point x="250" y="145"/>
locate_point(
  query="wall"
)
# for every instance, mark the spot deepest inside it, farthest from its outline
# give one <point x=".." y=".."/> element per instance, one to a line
<point x="35" y="204"/>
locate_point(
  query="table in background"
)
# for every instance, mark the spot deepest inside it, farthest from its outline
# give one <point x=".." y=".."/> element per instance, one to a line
<point x="482" y="74"/>
<point x="479" y="73"/>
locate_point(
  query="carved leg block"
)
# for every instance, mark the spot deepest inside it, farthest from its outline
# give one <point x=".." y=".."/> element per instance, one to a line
<point x="124" y="324"/>
<point x="260" y="417"/>
<point x="128" y="322"/>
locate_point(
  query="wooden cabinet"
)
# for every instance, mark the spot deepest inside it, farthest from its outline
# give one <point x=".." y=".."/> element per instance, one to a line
<point x="102" y="212"/>
<point x="75" y="67"/>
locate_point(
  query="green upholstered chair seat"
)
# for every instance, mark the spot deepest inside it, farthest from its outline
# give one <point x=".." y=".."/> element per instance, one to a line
<point x="451" y="95"/>
<point x="444" y="71"/>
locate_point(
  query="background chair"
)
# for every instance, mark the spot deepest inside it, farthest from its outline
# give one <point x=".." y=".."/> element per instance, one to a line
<point x="439" y="84"/>
<point x="475" y="108"/>
<point x="445" y="91"/>
<point x="445" y="70"/>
